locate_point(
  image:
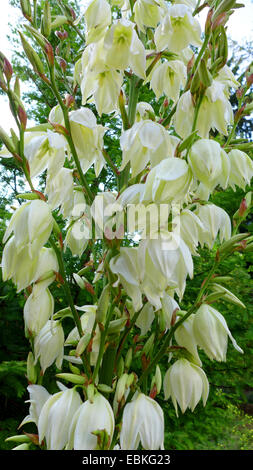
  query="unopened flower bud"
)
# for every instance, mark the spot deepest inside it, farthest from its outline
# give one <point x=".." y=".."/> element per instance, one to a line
<point x="46" y="20"/>
<point x="7" y="141"/>
<point x="61" y="35"/>
<point x="128" y="358"/>
<point x="103" y="304"/>
<point x="33" y="57"/>
<point x="31" y="369"/>
<point x="26" y="9"/>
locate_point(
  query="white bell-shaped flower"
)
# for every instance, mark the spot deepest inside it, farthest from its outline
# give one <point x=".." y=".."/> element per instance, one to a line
<point x="184" y="337"/>
<point x="49" y="345"/>
<point x="60" y="191"/>
<point x="209" y="163"/>
<point x="19" y="266"/>
<point x="38" y="308"/>
<point x="56" y="416"/>
<point x="32" y="225"/>
<point x="178" y="29"/>
<point x="146" y="142"/>
<point x="38" y="397"/>
<point x="168" y="78"/>
<point x="190" y="229"/>
<point x="88" y="138"/>
<point x="216" y="222"/>
<point x="211" y="333"/>
<point x="97" y="18"/>
<point x="95" y="415"/>
<point x="241" y="169"/>
<point x="215" y="112"/>
<point x="168" y="181"/>
<point x="124" y="49"/>
<point x="148" y="13"/>
<point x="185" y="383"/>
<point x="143" y="422"/>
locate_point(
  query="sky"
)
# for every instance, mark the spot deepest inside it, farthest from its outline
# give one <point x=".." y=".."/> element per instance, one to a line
<point x="240" y="28"/>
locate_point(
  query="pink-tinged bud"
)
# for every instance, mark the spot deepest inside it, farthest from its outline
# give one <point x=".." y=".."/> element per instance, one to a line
<point x="239" y="113"/>
<point x="220" y="20"/>
<point x="239" y="93"/>
<point x="22" y="117"/>
<point x="208" y="24"/>
<point x="249" y="80"/>
<point x="72" y="13"/>
<point x="243" y="207"/>
<point x="61" y="35"/>
<point x="50" y="53"/>
<point x="59" y="128"/>
<point x="69" y="100"/>
<point x="63" y="65"/>
<point x="8" y="70"/>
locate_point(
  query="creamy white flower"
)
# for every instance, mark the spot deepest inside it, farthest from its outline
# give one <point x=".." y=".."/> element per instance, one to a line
<point x="209" y="163"/>
<point x="168" y="78"/>
<point x="211" y="333"/>
<point x="87" y="321"/>
<point x="184" y="337"/>
<point x="146" y="318"/>
<point x="60" y="191"/>
<point x="148" y="13"/>
<point x="142" y="422"/>
<point x="152" y="267"/>
<point x="185" y="383"/>
<point x="145" y="142"/>
<point x="241" y="169"/>
<point x="216" y="221"/>
<point x="88" y="138"/>
<point x="47" y="267"/>
<point x="38" y="308"/>
<point x="124" y="49"/>
<point x="56" y="416"/>
<point x="19" y="266"/>
<point x="32" y="225"/>
<point x="168" y="181"/>
<point x="49" y="345"/>
<point x="178" y="29"/>
<point x="90" y="417"/>
<point x="97" y="18"/>
<point x="190" y="229"/>
<point x="38" y="396"/>
<point x="215" y="112"/>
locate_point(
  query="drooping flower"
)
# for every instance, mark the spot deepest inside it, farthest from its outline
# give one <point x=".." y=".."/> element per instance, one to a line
<point x="56" y="416"/>
<point x="146" y="142"/>
<point x="241" y="169"/>
<point x="38" y="396"/>
<point x="216" y="222"/>
<point x="148" y="13"/>
<point x="142" y="422"/>
<point x="38" y="308"/>
<point x="177" y="30"/>
<point x="168" y="78"/>
<point x="91" y="416"/>
<point x="97" y="18"/>
<point x="88" y="139"/>
<point x="209" y="163"/>
<point x="185" y="383"/>
<point x="49" y="345"/>
<point x="211" y="333"/>
<point x="31" y="225"/>
<point x="168" y="181"/>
